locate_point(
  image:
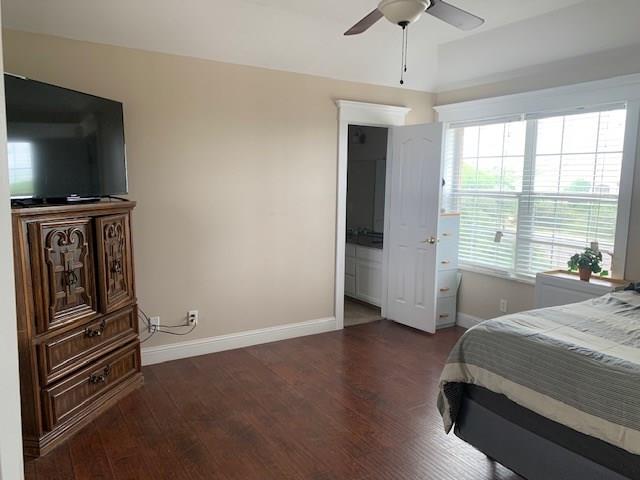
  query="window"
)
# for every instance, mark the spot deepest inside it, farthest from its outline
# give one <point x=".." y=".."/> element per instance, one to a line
<point x="533" y="190"/>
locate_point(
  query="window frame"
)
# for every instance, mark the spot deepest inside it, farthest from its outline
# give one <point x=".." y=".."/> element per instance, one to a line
<point x="580" y="98"/>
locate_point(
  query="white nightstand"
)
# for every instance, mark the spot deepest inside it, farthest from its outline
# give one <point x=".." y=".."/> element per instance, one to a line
<point x="560" y="287"/>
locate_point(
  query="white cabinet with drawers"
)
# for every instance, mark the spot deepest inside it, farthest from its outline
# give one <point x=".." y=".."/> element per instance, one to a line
<point x="363" y="273"/>
<point x="448" y="275"/>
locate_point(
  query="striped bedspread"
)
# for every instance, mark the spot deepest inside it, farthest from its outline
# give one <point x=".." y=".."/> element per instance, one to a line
<point x="577" y="364"/>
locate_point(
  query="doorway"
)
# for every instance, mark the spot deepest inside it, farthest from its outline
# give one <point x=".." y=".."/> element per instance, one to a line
<point x="411" y="217"/>
<point x="364" y="241"/>
<point x="360" y="114"/>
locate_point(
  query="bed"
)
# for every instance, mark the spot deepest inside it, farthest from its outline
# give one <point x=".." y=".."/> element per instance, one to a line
<point x="552" y="393"/>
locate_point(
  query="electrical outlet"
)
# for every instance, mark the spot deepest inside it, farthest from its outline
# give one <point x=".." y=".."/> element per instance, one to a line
<point x="192" y="317"/>
<point x="503" y="305"/>
<point x="154" y="323"/>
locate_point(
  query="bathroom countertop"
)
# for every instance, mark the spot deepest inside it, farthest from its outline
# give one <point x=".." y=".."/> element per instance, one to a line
<point x="371" y="241"/>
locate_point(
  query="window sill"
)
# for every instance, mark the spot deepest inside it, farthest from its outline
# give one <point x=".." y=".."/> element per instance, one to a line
<point x="503" y="275"/>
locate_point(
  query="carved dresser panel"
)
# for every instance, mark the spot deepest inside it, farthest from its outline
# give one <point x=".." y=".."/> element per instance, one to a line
<point x="62" y="264"/>
<point x="114" y="262"/>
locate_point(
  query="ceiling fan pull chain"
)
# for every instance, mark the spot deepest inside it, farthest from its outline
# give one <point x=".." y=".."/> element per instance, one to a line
<point x="406" y="47"/>
<point x="403" y="61"/>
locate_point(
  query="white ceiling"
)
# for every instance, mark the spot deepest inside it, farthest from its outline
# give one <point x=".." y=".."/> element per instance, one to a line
<point x="588" y="27"/>
<point x="306" y="35"/>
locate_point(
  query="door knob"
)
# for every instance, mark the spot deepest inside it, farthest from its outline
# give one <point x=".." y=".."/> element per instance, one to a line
<point x="430" y="240"/>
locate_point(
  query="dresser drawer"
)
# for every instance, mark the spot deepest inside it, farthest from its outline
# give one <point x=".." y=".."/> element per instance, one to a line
<point x="446" y="312"/>
<point x="80" y="346"/>
<point x="68" y="398"/>
<point x="447" y="253"/>
<point x="447" y="283"/>
<point x="448" y="227"/>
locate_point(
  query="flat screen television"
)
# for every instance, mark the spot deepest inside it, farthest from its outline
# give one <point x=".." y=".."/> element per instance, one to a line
<point x="63" y="144"/>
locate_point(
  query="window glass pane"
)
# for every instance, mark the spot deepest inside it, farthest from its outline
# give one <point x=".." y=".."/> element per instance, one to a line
<point x="511" y="175"/>
<point x="547" y="174"/>
<point x="607" y="176"/>
<point x="489" y="173"/>
<point x="550" y="135"/>
<point x="577" y="173"/>
<point x="514" y="139"/>
<point x="580" y="133"/>
<point x="470" y="142"/>
<point x="491" y="140"/>
<point x="611" y="134"/>
<point x="469" y="174"/>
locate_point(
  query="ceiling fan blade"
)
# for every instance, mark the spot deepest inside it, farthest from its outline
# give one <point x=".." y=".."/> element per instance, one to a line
<point x="365" y="23"/>
<point x="453" y="15"/>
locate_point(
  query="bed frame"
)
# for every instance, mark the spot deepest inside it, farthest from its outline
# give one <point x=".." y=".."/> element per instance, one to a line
<point x="530" y="455"/>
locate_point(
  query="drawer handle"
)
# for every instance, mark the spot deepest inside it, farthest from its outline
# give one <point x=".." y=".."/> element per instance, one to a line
<point x="445" y="262"/>
<point x="95" y="332"/>
<point x="444" y="315"/>
<point x="100" y="378"/>
<point x="116" y="266"/>
<point x="444" y="289"/>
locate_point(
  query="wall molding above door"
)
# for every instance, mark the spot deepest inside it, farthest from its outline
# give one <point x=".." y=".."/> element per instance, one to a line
<point x="373" y="112"/>
<point x="354" y="113"/>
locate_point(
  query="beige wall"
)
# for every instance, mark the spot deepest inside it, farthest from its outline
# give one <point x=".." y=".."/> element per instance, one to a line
<point x="11" y="430"/>
<point x="234" y="169"/>
<point x="480" y="294"/>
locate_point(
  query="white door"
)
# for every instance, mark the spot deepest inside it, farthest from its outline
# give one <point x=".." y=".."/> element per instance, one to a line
<point x="413" y="207"/>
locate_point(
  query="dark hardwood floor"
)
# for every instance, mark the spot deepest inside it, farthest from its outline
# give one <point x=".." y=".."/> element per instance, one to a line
<point x="357" y="404"/>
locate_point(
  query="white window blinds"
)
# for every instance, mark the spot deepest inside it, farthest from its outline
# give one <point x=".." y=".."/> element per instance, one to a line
<point x="534" y="190"/>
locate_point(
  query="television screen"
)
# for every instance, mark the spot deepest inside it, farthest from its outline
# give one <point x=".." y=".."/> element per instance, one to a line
<point x="63" y="143"/>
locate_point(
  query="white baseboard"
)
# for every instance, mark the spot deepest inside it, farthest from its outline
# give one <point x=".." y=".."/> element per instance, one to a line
<point x="202" y="346"/>
<point x="467" y="321"/>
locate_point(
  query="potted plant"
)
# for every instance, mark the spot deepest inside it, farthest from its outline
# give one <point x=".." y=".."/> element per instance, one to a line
<point x="586" y="263"/>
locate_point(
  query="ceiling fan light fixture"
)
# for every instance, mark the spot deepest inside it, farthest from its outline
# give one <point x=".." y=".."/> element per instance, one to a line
<point x="401" y="12"/>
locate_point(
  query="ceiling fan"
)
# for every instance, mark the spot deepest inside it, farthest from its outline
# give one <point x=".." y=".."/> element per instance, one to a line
<point x="405" y="12"/>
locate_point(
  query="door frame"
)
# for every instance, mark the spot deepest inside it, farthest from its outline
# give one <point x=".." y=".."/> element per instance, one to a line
<point x="11" y="452"/>
<point x="365" y="114"/>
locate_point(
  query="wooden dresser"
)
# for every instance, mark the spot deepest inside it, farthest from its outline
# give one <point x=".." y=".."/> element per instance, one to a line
<point x="77" y="316"/>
